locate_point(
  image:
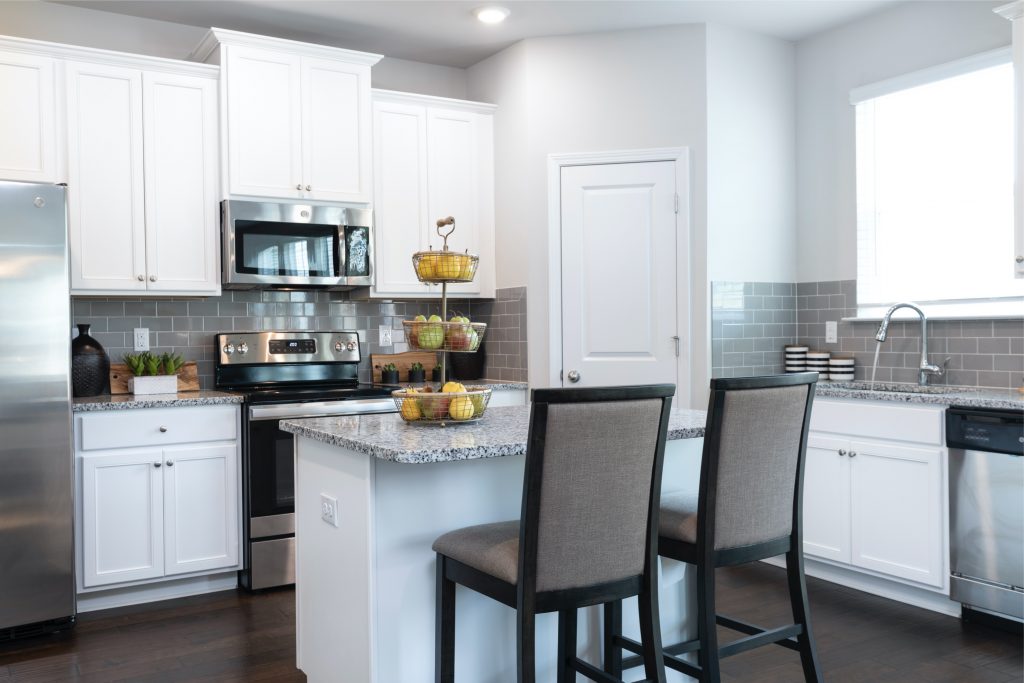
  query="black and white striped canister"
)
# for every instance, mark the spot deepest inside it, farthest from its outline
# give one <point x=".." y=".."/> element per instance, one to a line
<point x="840" y="368"/>
<point x="817" y="361"/>
<point x="796" y="358"/>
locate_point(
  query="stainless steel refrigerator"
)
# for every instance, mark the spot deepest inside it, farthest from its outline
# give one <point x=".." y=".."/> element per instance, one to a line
<point x="37" y="590"/>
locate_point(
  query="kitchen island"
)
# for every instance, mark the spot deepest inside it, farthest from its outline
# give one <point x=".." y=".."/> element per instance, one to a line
<point x="365" y="583"/>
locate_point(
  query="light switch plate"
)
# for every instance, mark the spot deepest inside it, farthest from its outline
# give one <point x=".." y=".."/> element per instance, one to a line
<point x="385" y="336"/>
<point x="141" y="339"/>
<point x="831" y="332"/>
<point x="329" y="509"/>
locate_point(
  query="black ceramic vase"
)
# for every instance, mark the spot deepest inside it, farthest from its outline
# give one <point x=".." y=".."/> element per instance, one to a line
<point x="90" y="367"/>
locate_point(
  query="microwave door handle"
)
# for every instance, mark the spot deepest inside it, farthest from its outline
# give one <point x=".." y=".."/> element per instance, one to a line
<point x="342" y="249"/>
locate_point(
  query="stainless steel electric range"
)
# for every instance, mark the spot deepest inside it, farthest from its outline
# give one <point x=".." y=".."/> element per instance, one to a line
<point x="285" y="375"/>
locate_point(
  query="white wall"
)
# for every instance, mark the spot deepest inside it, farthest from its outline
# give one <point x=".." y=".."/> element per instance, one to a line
<point x="589" y="93"/>
<point x="751" y="90"/>
<point x="908" y="37"/>
<point x="109" y="31"/>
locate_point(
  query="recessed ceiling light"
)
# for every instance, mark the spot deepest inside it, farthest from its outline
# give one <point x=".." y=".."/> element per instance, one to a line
<point x="492" y="14"/>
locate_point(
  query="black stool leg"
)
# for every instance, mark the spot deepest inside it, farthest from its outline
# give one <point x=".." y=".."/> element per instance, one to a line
<point x="801" y="613"/>
<point x="707" y="655"/>
<point x="650" y="630"/>
<point x="444" y="626"/>
<point x="612" y="628"/>
<point x="566" y="645"/>
<point x="526" y="629"/>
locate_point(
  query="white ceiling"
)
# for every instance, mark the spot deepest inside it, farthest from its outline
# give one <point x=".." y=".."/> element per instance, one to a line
<point x="446" y="32"/>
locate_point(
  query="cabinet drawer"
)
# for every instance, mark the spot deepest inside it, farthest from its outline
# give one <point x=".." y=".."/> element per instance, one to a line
<point x="157" y="427"/>
<point x="920" y="424"/>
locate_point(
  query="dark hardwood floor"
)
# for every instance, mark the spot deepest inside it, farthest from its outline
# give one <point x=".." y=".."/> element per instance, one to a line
<point x="241" y="637"/>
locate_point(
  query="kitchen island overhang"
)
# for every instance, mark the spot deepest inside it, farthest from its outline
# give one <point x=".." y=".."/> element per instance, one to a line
<point x="365" y="588"/>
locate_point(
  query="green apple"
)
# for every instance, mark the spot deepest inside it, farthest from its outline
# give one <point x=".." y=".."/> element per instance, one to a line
<point x="420" y="318"/>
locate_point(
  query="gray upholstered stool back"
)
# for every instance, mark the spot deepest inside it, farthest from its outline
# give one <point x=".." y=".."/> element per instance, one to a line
<point x="591" y="468"/>
<point x="757" y="438"/>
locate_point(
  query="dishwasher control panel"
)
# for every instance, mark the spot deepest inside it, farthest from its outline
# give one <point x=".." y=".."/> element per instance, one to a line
<point x="995" y="431"/>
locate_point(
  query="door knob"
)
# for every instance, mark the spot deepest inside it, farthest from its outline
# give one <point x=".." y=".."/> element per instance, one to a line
<point x="574" y="376"/>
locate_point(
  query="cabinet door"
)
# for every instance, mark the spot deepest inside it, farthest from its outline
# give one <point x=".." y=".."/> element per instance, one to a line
<point x="400" y="191"/>
<point x="897" y="514"/>
<point x="452" y="158"/>
<point x="200" y="508"/>
<point x="336" y="138"/>
<point x="28" y="119"/>
<point x="106" y="202"/>
<point x="263" y="123"/>
<point x="180" y="122"/>
<point x="826" y="509"/>
<point x="122" y="517"/>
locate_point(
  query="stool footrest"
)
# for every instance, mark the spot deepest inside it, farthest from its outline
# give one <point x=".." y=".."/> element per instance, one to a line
<point x="592" y="672"/>
<point x="779" y="636"/>
<point x="751" y="629"/>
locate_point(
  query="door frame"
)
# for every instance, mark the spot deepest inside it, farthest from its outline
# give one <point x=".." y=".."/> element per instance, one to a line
<point x="680" y="156"/>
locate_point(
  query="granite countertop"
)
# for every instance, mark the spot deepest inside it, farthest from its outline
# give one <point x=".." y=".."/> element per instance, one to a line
<point x="501" y="432"/>
<point x="132" y="402"/>
<point x="968" y="397"/>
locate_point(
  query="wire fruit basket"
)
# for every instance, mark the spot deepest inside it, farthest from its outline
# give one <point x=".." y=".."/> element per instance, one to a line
<point x="457" y="337"/>
<point x="442" y="407"/>
<point x="445" y="266"/>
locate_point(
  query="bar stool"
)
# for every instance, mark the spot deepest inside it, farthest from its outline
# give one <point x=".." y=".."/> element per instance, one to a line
<point x="748" y="508"/>
<point x="588" y="530"/>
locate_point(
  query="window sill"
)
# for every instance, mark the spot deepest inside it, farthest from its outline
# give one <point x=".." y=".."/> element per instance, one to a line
<point x="991" y="310"/>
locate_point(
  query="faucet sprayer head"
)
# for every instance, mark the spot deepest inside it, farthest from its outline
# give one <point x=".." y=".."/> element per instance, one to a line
<point x="883" y="330"/>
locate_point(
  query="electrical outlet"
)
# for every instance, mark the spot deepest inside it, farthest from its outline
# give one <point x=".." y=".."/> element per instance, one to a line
<point x="385" y="336"/>
<point x="141" y="337"/>
<point x="329" y="509"/>
<point x="831" y="332"/>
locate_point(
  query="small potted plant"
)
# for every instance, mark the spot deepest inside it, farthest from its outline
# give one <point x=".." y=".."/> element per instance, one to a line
<point x="435" y="374"/>
<point x="389" y="374"/>
<point x="416" y="373"/>
<point x="153" y="374"/>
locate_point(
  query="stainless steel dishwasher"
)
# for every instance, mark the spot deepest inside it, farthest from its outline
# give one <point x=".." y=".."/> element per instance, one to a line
<point x="986" y="510"/>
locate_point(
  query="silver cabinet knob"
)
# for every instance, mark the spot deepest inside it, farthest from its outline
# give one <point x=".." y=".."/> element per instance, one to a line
<point x="142" y="278"/>
<point x="163" y="429"/>
<point x="1020" y="259"/>
<point x="243" y="347"/>
<point x="299" y="187"/>
<point x="842" y="451"/>
<point x="853" y="454"/>
<point x="228" y="349"/>
<point x="309" y="188"/>
<point x="170" y="463"/>
<point x="574" y="376"/>
<point x="152" y="278"/>
<point x="156" y="464"/>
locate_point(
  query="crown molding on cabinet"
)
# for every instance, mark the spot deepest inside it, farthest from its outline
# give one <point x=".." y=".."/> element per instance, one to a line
<point x="216" y="37"/>
<point x="433" y="100"/>
<point x="108" y="57"/>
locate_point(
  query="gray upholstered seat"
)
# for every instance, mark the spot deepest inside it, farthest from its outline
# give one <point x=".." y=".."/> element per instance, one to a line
<point x="678" y="517"/>
<point x="491" y="548"/>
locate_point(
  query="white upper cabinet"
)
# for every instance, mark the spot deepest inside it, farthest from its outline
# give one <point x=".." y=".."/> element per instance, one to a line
<point x="1014" y="11"/>
<point x="28" y="118"/>
<point x="297" y="117"/>
<point x="434" y="157"/>
<point x="142" y="172"/>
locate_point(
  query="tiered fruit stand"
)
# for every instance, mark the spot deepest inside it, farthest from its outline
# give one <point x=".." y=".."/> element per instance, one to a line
<point x="447" y="336"/>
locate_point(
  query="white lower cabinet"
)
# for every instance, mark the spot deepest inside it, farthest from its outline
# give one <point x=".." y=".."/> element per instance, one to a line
<point x="160" y="506"/>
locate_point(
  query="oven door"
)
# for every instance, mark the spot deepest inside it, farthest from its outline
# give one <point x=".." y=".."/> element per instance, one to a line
<point x="280" y="244"/>
<point x="271" y="480"/>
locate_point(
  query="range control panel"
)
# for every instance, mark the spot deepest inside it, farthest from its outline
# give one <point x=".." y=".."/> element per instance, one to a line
<point x="249" y="348"/>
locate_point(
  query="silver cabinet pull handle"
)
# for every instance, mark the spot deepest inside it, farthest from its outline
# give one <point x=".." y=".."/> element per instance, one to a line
<point x="162" y="428"/>
<point x="170" y="463"/>
<point x="842" y="451"/>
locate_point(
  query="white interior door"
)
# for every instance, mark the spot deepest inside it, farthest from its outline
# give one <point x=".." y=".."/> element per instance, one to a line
<point x="619" y="274"/>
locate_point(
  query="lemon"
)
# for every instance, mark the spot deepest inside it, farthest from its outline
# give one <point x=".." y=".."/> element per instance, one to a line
<point x="461" y="408"/>
<point x="411" y="410"/>
<point x="425" y="268"/>
<point x="453" y="388"/>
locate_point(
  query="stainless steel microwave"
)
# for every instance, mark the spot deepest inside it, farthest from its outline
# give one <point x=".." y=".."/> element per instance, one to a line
<point x="284" y="244"/>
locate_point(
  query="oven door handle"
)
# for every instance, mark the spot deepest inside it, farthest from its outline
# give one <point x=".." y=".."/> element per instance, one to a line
<point x="362" y="406"/>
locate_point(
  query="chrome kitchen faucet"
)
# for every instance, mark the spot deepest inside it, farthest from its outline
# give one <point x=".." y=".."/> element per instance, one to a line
<point x="926" y="368"/>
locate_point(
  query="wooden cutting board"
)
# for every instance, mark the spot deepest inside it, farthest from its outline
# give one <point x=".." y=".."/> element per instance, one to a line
<point x="188" y="378"/>
<point x="402" y="361"/>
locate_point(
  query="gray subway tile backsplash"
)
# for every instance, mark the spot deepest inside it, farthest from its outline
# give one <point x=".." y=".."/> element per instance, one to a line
<point x="986" y="353"/>
<point x="187" y="326"/>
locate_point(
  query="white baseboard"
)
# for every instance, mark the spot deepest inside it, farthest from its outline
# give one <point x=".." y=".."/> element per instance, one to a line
<point x="165" y="590"/>
<point x="851" y="578"/>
